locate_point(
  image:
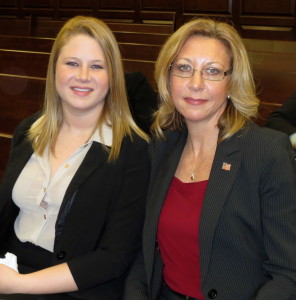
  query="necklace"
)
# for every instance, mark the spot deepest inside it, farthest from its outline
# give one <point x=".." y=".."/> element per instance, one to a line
<point x="193" y="170"/>
<point x="193" y="175"/>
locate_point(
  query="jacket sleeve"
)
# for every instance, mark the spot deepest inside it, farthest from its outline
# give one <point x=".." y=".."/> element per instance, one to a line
<point x="278" y="212"/>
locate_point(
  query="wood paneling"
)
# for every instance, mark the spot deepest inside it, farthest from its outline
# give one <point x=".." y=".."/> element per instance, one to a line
<point x="37" y="4"/>
<point x="5" y="142"/>
<point x="76" y="4"/>
<point x="201" y="6"/>
<point x="116" y="4"/>
<point x="171" y="5"/>
<point x="268" y="7"/>
<point x="264" y="19"/>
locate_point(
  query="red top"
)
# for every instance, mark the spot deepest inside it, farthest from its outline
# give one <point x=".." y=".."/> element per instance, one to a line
<point x="178" y="236"/>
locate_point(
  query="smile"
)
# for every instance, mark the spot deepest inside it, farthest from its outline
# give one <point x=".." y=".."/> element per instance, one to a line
<point x="81" y="89"/>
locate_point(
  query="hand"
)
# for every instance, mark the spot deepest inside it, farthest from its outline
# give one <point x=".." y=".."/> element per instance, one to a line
<point x="9" y="279"/>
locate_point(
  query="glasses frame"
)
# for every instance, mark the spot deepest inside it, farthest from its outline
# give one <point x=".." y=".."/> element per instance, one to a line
<point x="225" y="73"/>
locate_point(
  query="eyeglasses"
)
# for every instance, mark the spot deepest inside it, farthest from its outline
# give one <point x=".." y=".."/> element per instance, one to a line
<point x="208" y="73"/>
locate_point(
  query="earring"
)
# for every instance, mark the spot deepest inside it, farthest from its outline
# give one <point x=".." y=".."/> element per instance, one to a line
<point x="228" y="97"/>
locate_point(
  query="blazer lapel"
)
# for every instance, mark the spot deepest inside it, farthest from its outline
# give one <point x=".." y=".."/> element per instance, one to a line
<point x="224" y="170"/>
<point x="94" y="158"/>
<point x="161" y="183"/>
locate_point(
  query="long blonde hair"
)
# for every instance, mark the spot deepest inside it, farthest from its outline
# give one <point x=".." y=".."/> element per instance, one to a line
<point x="243" y="103"/>
<point x="116" y="109"/>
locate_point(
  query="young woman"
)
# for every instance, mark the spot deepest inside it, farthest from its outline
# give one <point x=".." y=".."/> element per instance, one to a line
<point x="72" y="197"/>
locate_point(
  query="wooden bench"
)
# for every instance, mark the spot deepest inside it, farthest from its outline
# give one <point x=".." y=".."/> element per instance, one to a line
<point x="5" y="142"/>
<point x="50" y="28"/>
<point x="15" y="27"/>
<point x="136" y="57"/>
<point x="19" y="98"/>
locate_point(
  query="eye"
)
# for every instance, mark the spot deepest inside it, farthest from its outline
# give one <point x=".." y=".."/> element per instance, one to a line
<point x="212" y="71"/>
<point x="184" y="68"/>
<point x="97" y="67"/>
<point x="71" y="64"/>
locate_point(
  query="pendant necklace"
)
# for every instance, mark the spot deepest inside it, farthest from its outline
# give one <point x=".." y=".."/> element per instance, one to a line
<point x="193" y="171"/>
<point x="193" y="174"/>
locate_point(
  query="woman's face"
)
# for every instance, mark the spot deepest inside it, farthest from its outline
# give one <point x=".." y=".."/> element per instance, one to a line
<point x="199" y="100"/>
<point x="81" y="76"/>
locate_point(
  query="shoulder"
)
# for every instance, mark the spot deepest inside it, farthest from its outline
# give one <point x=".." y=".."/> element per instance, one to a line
<point x="264" y="142"/>
<point x="261" y="135"/>
<point x="168" y="142"/>
<point x="23" y="127"/>
<point x="134" y="143"/>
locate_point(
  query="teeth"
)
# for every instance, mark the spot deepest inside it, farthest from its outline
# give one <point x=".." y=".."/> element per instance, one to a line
<point x="82" y="90"/>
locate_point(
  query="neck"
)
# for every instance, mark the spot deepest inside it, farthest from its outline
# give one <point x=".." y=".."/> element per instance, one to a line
<point x="79" y="123"/>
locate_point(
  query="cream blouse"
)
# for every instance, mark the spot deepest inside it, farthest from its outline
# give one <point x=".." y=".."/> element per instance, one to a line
<point x="39" y="196"/>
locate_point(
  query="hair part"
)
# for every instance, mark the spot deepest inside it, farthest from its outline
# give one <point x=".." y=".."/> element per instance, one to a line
<point x="116" y="108"/>
<point x="243" y="102"/>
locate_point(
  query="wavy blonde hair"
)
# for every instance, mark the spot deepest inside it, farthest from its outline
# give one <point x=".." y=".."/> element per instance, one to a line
<point x="243" y="103"/>
<point x="116" y="109"/>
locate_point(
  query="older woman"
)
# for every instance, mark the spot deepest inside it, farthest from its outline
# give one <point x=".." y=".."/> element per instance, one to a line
<point x="221" y="209"/>
<point x="72" y="197"/>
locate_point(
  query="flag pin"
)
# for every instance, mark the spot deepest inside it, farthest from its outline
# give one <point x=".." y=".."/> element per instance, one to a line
<point x="226" y="166"/>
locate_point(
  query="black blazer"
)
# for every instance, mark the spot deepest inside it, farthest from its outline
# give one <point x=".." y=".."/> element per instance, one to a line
<point x="248" y="221"/>
<point x="142" y="99"/>
<point x="99" y="224"/>
<point x="284" y="118"/>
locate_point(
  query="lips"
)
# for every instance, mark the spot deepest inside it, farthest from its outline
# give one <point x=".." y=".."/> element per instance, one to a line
<point x="195" y="101"/>
<point x="81" y="91"/>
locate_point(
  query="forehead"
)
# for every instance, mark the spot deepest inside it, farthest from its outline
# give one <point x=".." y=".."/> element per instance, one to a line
<point x="81" y="43"/>
<point x="204" y="49"/>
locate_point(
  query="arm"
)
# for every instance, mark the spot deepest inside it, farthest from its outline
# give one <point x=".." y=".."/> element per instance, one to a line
<point x="278" y="205"/>
<point x="56" y="279"/>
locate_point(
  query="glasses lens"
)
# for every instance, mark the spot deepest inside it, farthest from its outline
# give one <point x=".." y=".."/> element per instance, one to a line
<point x="213" y="74"/>
<point x="182" y="70"/>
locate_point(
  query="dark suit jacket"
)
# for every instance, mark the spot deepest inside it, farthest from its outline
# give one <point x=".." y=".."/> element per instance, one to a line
<point x="142" y="99"/>
<point x="248" y="221"/>
<point x="99" y="224"/>
<point x="284" y="118"/>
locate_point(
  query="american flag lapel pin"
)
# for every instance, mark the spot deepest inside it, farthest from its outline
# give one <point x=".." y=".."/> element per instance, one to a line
<point x="226" y="166"/>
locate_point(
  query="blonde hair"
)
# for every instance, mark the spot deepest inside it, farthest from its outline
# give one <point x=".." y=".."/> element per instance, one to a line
<point x="243" y="103"/>
<point x="116" y="109"/>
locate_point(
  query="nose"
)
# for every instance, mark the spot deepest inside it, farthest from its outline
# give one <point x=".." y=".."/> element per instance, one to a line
<point x="83" y="73"/>
<point x="196" y="80"/>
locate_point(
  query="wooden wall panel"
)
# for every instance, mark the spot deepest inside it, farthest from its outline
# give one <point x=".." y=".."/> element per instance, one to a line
<point x="37" y="4"/>
<point x="268" y="7"/>
<point x="264" y="19"/>
<point x="75" y="4"/>
<point x="269" y="19"/>
<point x="205" y="6"/>
<point x="8" y="3"/>
<point x="168" y="5"/>
<point x="116" y="4"/>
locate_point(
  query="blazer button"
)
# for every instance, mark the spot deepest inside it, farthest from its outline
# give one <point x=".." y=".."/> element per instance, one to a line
<point x="61" y="255"/>
<point x="212" y="294"/>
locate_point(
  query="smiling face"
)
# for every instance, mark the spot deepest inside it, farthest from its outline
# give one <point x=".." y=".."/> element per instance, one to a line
<point x="199" y="100"/>
<point x="81" y="76"/>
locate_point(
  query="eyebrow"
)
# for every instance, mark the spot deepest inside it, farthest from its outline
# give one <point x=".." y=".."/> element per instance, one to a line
<point x="74" y="57"/>
<point x="207" y="64"/>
